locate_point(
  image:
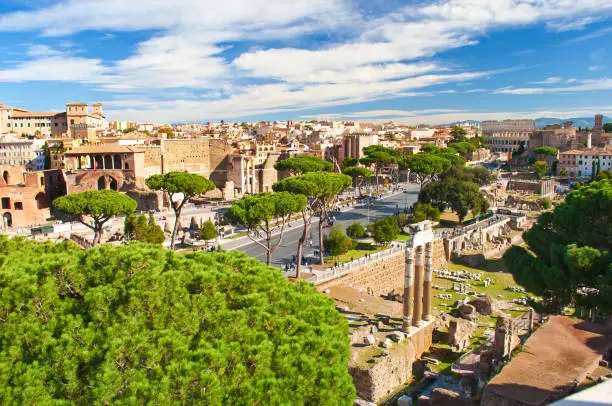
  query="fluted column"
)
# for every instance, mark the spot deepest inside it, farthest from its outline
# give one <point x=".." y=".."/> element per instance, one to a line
<point x="427" y="283"/>
<point x="408" y="290"/>
<point x="418" y="287"/>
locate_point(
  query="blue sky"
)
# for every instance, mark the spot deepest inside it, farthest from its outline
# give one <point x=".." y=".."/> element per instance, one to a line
<point x="407" y="61"/>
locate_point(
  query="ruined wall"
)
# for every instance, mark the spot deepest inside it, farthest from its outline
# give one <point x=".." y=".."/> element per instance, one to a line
<point x="382" y="276"/>
<point x="206" y="157"/>
<point x="380" y="379"/>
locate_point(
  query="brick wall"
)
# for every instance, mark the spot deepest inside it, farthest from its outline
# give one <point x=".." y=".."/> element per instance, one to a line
<point x="382" y="276"/>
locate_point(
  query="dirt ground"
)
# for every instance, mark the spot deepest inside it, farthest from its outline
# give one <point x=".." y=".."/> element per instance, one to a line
<point x="359" y="301"/>
<point x="557" y="356"/>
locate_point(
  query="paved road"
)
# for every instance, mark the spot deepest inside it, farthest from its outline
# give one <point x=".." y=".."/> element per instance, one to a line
<point x="381" y="208"/>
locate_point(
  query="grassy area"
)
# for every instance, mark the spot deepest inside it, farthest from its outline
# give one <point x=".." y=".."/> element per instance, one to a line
<point x="402" y="237"/>
<point x="237" y="235"/>
<point x="361" y="250"/>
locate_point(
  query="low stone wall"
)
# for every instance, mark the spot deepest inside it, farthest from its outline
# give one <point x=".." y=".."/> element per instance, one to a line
<point x="381" y="276"/>
<point x="389" y="372"/>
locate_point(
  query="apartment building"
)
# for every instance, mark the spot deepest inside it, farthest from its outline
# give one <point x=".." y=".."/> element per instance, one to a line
<point x="19" y="151"/>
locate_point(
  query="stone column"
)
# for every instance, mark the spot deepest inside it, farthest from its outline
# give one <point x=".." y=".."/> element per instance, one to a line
<point x="248" y="178"/>
<point x="427" y="283"/>
<point x="418" y="287"/>
<point x="408" y="290"/>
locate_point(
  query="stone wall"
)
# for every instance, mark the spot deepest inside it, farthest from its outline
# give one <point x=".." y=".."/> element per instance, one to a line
<point x="382" y="275"/>
<point x="389" y="372"/>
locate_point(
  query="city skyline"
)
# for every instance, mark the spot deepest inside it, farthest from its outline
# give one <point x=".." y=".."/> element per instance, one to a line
<point x="434" y="62"/>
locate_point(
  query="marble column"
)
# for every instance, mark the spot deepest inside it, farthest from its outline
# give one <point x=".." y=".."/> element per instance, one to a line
<point x="408" y="290"/>
<point x="254" y="175"/>
<point x="427" y="283"/>
<point x="418" y="287"/>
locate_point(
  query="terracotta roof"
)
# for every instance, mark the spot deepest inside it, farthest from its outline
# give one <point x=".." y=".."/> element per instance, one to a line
<point x="102" y="149"/>
<point x="20" y="114"/>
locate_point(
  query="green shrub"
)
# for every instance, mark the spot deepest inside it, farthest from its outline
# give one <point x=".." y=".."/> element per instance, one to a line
<point x="385" y="230"/>
<point x="337" y="243"/>
<point x="356" y="230"/>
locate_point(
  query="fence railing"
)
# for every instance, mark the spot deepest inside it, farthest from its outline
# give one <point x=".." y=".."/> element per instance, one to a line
<point x="354" y="265"/>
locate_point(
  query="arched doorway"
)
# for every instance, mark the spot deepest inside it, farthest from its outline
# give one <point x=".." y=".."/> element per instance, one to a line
<point x="40" y="200"/>
<point x="108" y="162"/>
<point x="116" y="161"/>
<point x="6" y="177"/>
<point x="101" y="183"/>
<point x="98" y="164"/>
<point x="113" y="184"/>
<point x="8" y="220"/>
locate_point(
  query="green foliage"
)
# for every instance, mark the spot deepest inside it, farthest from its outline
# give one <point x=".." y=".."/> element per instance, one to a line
<point x="47" y="153"/>
<point x="430" y="149"/>
<point x="480" y="176"/>
<point x="545" y="150"/>
<point x="138" y="324"/>
<point x="303" y="164"/>
<point x="264" y="213"/>
<point x="461" y="196"/>
<point x="546" y="202"/>
<point x="385" y="230"/>
<point x="337" y="243"/>
<point x="425" y="211"/>
<point x="603" y="175"/>
<point x="458" y="133"/>
<point x="100" y="205"/>
<point x="175" y="183"/>
<point x="463" y="148"/>
<point x="571" y="246"/>
<point x="356" y="230"/>
<point x="425" y="166"/>
<point x="564" y="172"/>
<point x="358" y="174"/>
<point x="208" y="231"/>
<point x="139" y="229"/>
<point x="607" y="127"/>
<point x="540" y="167"/>
<point x="348" y="161"/>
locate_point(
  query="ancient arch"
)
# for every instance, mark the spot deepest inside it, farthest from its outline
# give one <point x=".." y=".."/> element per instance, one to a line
<point x="101" y="183"/>
<point x="40" y="200"/>
<point x="112" y="183"/>
<point x="8" y="220"/>
<point x="116" y="161"/>
<point x="6" y="177"/>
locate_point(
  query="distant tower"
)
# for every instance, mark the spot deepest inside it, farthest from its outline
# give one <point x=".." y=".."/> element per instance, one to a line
<point x="97" y="110"/>
<point x="597" y="130"/>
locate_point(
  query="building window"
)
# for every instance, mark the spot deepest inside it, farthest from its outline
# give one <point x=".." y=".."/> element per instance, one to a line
<point x="18" y="206"/>
<point x="6" y="203"/>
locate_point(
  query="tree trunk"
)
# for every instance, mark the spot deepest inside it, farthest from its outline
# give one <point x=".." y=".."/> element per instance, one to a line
<point x="359" y="186"/>
<point x="377" y="185"/>
<point x="321" y="217"/>
<point x="97" y="237"/>
<point x="269" y="249"/>
<point x="177" y="216"/>
<point x="300" y="247"/>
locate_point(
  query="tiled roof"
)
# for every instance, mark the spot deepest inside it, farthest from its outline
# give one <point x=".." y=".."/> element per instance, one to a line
<point x="102" y="149"/>
<point x="21" y="114"/>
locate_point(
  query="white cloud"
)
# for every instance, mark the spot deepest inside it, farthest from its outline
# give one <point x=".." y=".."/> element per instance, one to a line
<point x="365" y="58"/>
<point x="594" y="68"/>
<point x="594" y="34"/>
<point x="548" y="81"/>
<point x="585" y="85"/>
<point x="572" y="24"/>
<point x="571" y="80"/>
<point x="446" y="117"/>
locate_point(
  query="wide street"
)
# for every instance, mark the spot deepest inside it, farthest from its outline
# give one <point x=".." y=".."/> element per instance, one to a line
<point x="384" y="207"/>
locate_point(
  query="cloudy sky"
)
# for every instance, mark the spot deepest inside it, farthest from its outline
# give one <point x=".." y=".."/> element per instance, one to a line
<point x="408" y="61"/>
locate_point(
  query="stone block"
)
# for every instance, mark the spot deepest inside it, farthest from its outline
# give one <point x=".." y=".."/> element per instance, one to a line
<point x="387" y="343"/>
<point x="459" y="333"/>
<point x="404" y="400"/>
<point x="398" y="336"/>
<point x="370" y="340"/>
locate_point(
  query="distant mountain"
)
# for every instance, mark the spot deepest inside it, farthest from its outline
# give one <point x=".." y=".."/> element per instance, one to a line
<point x="578" y="121"/>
